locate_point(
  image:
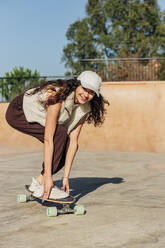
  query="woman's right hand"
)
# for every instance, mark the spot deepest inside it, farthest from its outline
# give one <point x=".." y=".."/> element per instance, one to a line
<point x="48" y="185"/>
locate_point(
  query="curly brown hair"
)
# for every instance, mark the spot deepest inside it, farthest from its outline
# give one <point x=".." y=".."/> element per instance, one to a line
<point x="66" y="87"/>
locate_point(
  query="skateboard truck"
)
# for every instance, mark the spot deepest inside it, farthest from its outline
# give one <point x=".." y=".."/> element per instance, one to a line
<point x="77" y="210"/>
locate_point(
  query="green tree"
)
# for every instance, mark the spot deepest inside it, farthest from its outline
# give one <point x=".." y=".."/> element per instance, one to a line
<point x="17" y="81"/>
<point x="115" y="28"/>
<point x="82" y="45"/>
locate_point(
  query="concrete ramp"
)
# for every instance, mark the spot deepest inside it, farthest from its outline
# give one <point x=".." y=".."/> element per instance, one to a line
<point x="135" y="121"/>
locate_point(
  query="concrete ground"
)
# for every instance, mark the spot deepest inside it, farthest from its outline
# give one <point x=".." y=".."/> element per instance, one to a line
<point x="123" y="194"/>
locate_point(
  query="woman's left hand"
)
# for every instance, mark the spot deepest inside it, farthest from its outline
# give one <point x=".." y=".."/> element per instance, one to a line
<point x="66" y="185"/>
<point x="48" y="185"/>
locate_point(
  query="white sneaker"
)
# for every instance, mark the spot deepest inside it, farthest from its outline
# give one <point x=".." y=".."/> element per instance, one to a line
<point x="55" y="193"/>
<point x="33" y="185"/>
<point x="38" y="191"/>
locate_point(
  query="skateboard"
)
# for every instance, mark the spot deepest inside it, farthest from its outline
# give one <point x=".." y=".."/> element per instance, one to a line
<point x="54" y="211"/>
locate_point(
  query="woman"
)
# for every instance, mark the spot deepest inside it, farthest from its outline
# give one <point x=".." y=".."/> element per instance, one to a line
<point x="54" y="112"/>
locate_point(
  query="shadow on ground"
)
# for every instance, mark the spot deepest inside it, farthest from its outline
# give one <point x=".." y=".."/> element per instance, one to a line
<point x="82" y="186"/>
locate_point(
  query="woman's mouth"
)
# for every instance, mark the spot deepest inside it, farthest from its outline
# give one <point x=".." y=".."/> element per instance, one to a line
<point x="83" y="99"/>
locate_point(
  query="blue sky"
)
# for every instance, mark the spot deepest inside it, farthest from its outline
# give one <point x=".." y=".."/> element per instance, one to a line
<point x="33" y="33"/>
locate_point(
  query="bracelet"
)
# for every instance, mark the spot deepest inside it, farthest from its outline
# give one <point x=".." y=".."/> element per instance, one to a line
<point x="65" y="177"/>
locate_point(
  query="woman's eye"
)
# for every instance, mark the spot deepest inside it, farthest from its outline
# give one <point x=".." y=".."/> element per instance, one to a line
<point x="89" y="91"/>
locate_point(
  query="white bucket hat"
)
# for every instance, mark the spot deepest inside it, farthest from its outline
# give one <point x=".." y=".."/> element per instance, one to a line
<point x="90" y="80"/>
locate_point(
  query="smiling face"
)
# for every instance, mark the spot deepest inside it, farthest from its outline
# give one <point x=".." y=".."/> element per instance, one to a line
<point x="83" y="95"/>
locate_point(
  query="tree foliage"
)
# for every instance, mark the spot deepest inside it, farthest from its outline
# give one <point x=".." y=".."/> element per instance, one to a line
<point x="113" y="29"/>
<point x="17" y="81"/>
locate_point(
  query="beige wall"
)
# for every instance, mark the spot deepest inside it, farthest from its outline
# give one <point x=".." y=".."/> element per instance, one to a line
<point x="135" y="121"/>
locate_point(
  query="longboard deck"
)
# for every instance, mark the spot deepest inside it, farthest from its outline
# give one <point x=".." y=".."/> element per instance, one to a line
<point x="68" y="200"/>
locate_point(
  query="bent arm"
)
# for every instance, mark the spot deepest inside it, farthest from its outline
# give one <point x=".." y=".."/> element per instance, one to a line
<point x="72" y="148"/>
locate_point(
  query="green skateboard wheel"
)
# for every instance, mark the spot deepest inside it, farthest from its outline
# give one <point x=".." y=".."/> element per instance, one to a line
<point x="51" y="212"/>
<point x="21" y="198"/>
<point x="79" y="210"/>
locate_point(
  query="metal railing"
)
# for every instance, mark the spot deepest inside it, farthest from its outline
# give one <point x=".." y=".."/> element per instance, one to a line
<point x="128" y="69"/>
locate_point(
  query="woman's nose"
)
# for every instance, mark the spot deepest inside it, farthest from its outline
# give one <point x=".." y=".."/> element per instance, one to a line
<point x="86" y="94"/>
